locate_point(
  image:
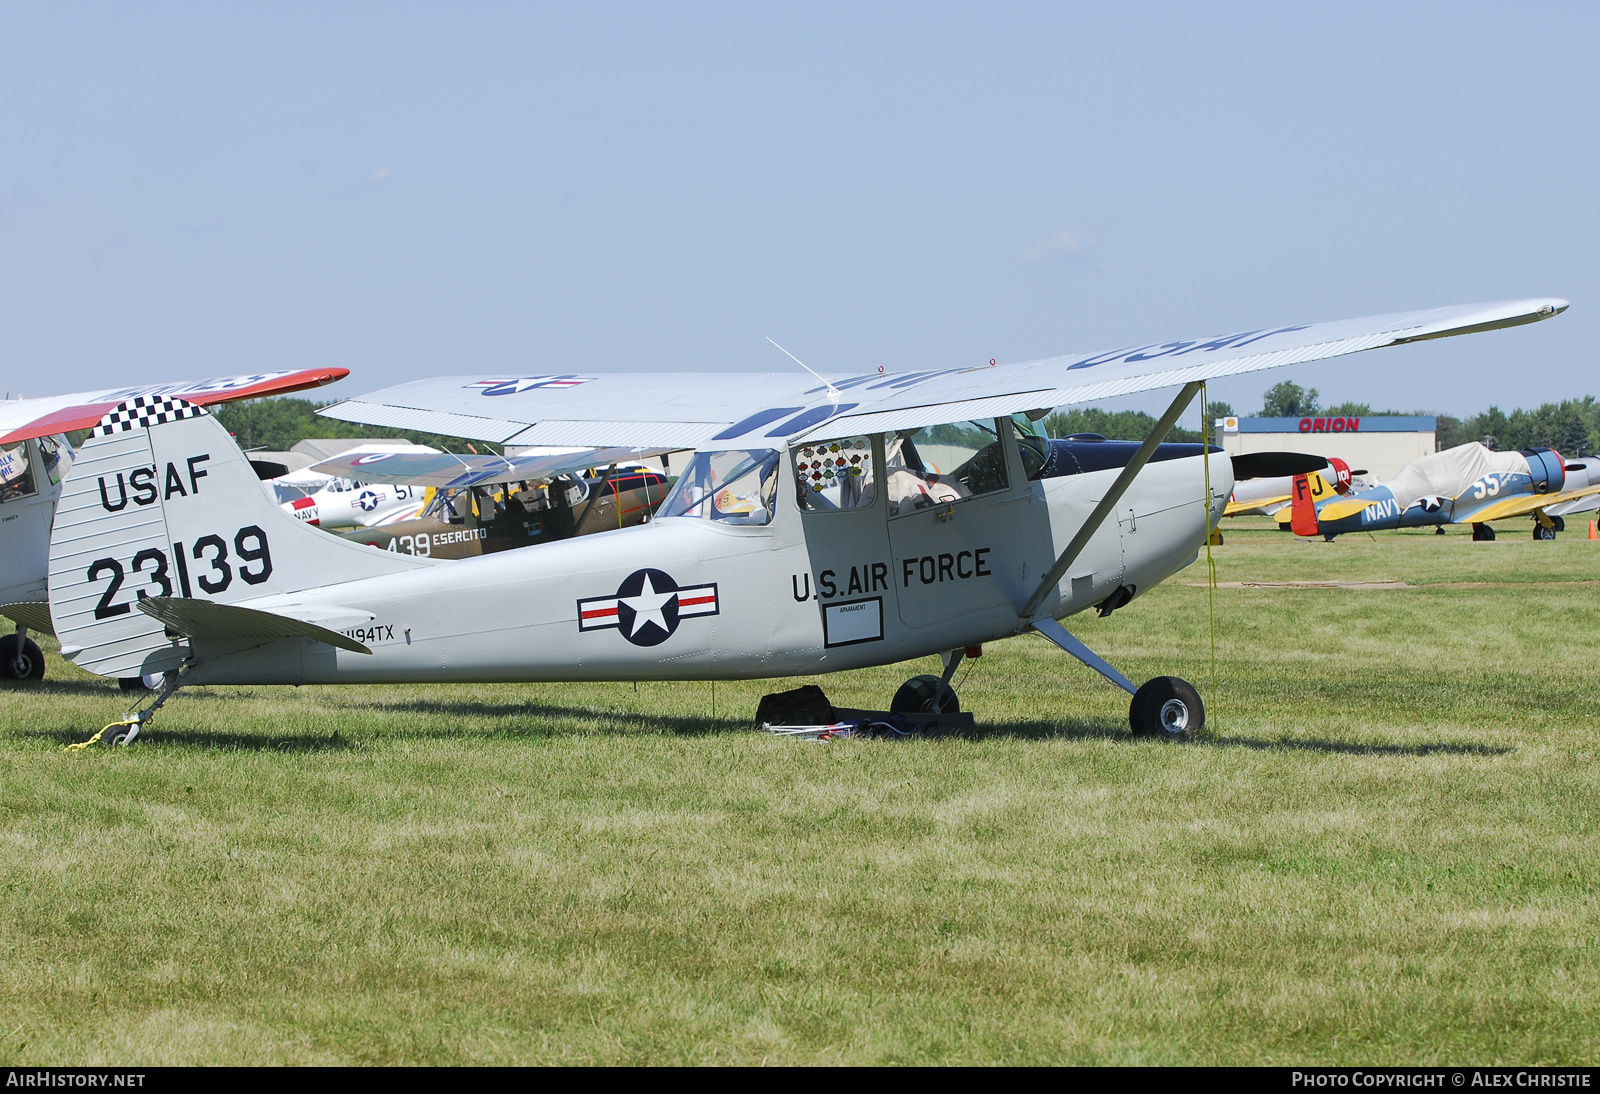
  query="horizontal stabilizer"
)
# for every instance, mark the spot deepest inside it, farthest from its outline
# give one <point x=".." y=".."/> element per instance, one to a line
<point x="1344" y="507"/>
<point x="1273" y="465"/>
<point x="208" y="619"/>
<point x="31" y="614"/>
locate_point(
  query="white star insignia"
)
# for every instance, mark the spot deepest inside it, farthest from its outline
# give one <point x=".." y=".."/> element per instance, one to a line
<point x="647" y="607"/>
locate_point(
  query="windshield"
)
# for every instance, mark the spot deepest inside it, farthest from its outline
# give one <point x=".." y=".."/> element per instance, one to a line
<point x="286" y="492"/>
<point x="16" y="477"/>
<point x="736" y="486"/>
<point x="56" y="455"/>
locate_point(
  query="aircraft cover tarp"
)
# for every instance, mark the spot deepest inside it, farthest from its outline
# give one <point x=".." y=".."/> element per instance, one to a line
<point x="1450" y="472"/>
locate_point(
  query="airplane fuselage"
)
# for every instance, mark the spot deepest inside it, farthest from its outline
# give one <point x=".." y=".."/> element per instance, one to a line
<point x="680" y="599"/>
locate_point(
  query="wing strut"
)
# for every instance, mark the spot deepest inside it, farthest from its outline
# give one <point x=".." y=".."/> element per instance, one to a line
<point x="1114" y="495"/>
<point x="1067" y="641"/>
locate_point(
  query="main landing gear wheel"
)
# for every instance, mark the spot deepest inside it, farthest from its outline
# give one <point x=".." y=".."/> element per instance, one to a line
<point x="1166" y="707"/>
<point x="925" y="695"/>
<point x="20" y="658"/>
<point x="1541" y="532"/>
<point x="1482" y="533"/>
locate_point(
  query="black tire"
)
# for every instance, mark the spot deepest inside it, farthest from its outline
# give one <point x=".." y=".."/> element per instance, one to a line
<point x="1482" y="533"/>
<point x="1558" y="524"/>
<point x="20" y="658"/>
<point x="1168" y="708"/>
<point x="918" y="694"/>
<point x="1540" y="532"/>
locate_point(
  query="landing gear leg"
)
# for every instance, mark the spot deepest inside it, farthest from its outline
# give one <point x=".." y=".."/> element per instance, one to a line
<point x="127" y="729"/>
<point x="930" y="694"/>
<point x="20" y="657"/>
<point x="1164" y="707"/>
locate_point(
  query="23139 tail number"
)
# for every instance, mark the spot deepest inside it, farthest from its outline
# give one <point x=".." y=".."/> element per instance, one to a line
<point x="249" y="546"/>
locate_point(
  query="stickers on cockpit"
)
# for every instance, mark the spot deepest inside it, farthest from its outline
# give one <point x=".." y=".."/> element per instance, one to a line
<point x="648" y="607"/>
<point x="820" y="466"/>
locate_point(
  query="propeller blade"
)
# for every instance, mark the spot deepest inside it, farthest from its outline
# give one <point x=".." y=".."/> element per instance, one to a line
<point x="1272" y="465"/>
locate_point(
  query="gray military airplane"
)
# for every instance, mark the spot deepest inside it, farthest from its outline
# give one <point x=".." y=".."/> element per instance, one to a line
<point x="865" y="521"/>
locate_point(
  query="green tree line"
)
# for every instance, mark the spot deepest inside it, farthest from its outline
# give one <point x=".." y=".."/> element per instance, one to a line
<point x="1571" y="427"/>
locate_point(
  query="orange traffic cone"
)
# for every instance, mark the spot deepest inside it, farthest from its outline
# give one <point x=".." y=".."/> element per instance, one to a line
<point x="1593" y="534"/>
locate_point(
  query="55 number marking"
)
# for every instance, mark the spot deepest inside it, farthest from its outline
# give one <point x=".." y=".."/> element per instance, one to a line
<point x="249" y="547"/>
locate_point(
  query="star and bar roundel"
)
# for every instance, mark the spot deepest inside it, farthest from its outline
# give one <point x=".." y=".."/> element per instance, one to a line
<point x="647" y="607"/>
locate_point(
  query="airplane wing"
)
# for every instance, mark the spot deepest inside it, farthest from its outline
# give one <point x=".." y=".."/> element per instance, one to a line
<point x="23" y="419"/>
<point x="701" y="410"/>
<point x="1236" y="507"/>
<point x="453" y="472"/>
<point x="1519" y="505"/>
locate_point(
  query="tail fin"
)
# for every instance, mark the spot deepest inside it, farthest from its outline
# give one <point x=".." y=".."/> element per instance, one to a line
<point x="1302" y="509"/>
<point x="161" y="503"/>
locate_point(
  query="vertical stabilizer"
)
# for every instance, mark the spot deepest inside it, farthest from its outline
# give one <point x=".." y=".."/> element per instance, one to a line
<point x="1302" y="508"/>
<point x="161" y="502"/>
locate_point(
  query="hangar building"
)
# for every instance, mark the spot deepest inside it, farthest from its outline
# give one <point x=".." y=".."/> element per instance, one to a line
<point x="1380" y="445"/>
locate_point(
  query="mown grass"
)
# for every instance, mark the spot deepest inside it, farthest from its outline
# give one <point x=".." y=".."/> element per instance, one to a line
<point x="1383" y="851"/>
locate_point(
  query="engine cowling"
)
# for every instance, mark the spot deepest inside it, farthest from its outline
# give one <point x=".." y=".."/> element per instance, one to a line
<point x="1547" y="468"/>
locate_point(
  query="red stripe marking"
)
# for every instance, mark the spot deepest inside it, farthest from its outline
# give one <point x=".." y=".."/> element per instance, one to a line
<point x="596" y="613"/>
<point x="687" y="603"/>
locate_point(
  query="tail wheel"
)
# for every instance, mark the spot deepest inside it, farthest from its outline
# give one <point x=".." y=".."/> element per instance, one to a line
<point x="925" y="695"/>
<point x="20" y="658"/>
<point x="1166" y="707"/>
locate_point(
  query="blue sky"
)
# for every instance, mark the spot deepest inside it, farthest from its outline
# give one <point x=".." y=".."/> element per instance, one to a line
<point x="412" y="190"/>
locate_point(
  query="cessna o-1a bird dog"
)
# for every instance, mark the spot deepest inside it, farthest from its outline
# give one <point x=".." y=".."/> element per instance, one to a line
<point x="861" y="522"/>
<point x="35" y="456"/>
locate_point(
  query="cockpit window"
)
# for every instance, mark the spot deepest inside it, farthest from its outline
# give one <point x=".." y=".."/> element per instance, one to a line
<point x="16" y="476"/>
<point x="835" y="475"/>
<point x="56" y="455"/>
<point x="736" y="486"/>
<point x="939" y="464"/>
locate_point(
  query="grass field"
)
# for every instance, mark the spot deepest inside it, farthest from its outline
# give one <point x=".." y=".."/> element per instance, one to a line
<point x="1384" y="850"/>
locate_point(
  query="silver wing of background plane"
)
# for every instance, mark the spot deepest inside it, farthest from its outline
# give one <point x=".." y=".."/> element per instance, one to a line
<point x="454" y="472"/>
<point x="702" y="410"/>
